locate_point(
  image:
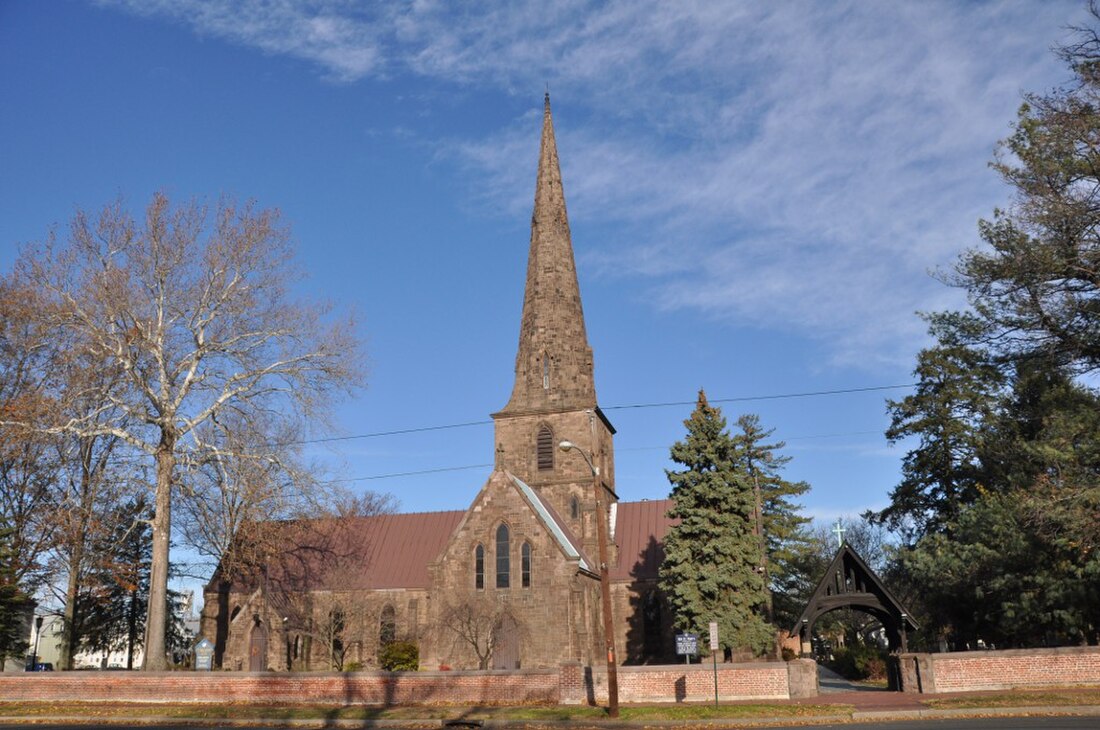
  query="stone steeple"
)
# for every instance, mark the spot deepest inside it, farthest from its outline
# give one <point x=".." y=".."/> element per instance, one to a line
<point x="554" y="361"/>
<point x="554" y="396"/>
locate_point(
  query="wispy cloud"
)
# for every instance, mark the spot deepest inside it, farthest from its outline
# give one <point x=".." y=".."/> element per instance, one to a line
<point x="792" y="166"/>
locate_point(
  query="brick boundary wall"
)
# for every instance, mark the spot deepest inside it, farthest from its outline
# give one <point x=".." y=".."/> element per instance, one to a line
<point x="672" y="683"/>
<point x="353" y="688"/>
<point x="695" y="682"/>
<point x="974" y="671"/>
<point x="570" y="684"/>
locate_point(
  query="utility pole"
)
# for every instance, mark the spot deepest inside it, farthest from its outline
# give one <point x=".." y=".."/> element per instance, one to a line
<point x="605" y="580"/>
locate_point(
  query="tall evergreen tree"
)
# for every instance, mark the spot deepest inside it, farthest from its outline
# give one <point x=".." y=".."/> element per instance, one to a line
<point x="779" y="528"/>
<point x="955" y="397"/>
<point x="1004" y="485"/>
<point x="15" y="604"/>
<point x="117" y="602"/>
<point x="712" y="556"/>
<point x="1035" y="286"/>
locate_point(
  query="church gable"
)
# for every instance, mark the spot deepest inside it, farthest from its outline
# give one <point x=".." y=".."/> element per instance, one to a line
<point x="513" y="559"/>
<point x="507" y="510"/>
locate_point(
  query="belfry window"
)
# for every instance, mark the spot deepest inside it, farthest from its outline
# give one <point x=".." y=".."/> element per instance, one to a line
<point x="479" y="567"/>
<point x="525" y="565"/>
<point x="503" y="559"/>
<point x="544" y="447"/>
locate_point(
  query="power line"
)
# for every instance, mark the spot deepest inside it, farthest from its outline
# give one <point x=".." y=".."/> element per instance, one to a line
<point x="396" y="432"/>
<point x="779" y="396"/>
<point x="407" y="473"/>
<point x="785" y="439"/>
<point x="633" y="406"/>
<point x="636" y="448"/>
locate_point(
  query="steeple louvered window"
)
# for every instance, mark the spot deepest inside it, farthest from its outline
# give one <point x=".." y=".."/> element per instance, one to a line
<point x="545" y="448"/>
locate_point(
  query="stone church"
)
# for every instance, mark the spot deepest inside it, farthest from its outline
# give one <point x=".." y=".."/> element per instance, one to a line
<point x="512" y="581"/>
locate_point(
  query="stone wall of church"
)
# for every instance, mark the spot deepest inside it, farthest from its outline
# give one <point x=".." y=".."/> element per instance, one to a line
<point x="554" y="617"/>
<point x="643" y="624"/>
<point x="323" y="630"/>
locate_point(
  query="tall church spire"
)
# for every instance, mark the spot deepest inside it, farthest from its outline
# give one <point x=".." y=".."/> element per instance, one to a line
<point x="554" y="361"/>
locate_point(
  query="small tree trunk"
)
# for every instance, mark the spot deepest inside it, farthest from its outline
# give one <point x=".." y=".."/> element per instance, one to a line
<point x="157" y="623"/>
<point x="72" y="590"/>
<point x="131" y="629"/>
<point x="69" y="636"/>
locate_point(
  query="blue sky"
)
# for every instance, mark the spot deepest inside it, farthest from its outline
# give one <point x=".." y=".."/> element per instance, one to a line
<point x="757" y="192"/>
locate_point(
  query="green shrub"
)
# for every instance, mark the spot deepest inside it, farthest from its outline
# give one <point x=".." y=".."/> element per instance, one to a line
<point x="859" y="661"/>
<point x="399" y="656"/>
<point x="353" y="667"/>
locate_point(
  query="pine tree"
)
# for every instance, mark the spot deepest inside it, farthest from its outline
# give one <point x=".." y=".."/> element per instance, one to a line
<point x="955" y="397"/>
<point x="118" y="600"/>
<point x="778" y="527"/>
<point x="15" y="605"/>
<point x="712" y="556"/>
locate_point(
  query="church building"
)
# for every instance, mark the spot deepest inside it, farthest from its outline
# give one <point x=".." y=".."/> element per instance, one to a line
<point x="513" y="580"/>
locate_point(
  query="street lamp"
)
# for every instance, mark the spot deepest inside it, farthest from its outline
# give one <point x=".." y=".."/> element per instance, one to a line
<point x="605" y="581"/>
<point x="37" y="635"/>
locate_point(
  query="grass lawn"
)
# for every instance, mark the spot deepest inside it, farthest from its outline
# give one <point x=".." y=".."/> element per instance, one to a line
<point x="92" y="710"/>
<point x="1067" y="697"/>
<point x="1017" y="698"/>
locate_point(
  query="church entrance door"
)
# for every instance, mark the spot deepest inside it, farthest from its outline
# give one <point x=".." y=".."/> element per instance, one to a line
<point x="506" y="650"/>
<point x="257" y="648"/>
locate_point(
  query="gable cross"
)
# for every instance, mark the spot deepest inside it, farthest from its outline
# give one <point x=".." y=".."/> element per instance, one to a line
<point x="839" y="532"/>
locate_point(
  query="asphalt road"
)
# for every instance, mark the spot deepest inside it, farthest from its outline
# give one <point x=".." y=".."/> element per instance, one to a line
<point x="986" y="723"/>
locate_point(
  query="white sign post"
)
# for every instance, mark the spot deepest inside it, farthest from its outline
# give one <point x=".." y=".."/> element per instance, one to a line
<point x="714" y="656"/>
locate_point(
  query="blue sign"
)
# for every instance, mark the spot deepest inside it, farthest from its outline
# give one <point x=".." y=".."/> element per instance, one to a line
<point x="204" y="656"/>
<point x="687" y="644"/>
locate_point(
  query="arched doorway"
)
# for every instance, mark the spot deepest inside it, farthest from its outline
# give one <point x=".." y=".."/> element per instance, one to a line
<point x="257" y="647"/>
<point x="506" y="645"/>
<point x="850" y="583"/>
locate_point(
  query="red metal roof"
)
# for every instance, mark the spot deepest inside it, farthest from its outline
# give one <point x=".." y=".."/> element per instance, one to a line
<point x="640" y="529"/>
<point x="400" y="547"/>
<point x="393" y="551"/>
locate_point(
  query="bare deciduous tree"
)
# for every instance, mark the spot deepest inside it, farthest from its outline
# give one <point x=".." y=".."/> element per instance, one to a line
<point x="29" y="460"/>
<point x="193" y="308"/>
<point x="478" y="624"/>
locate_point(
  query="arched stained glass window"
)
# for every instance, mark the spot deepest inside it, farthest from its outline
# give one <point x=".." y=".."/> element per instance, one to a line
<point x="503" y="560"/>
<point x="525" y="565"/>
<point x="336" y="625"/>
<point x="387" y="627"/>
<point x="479" y="567"/>
<point x="545" y="448"/>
